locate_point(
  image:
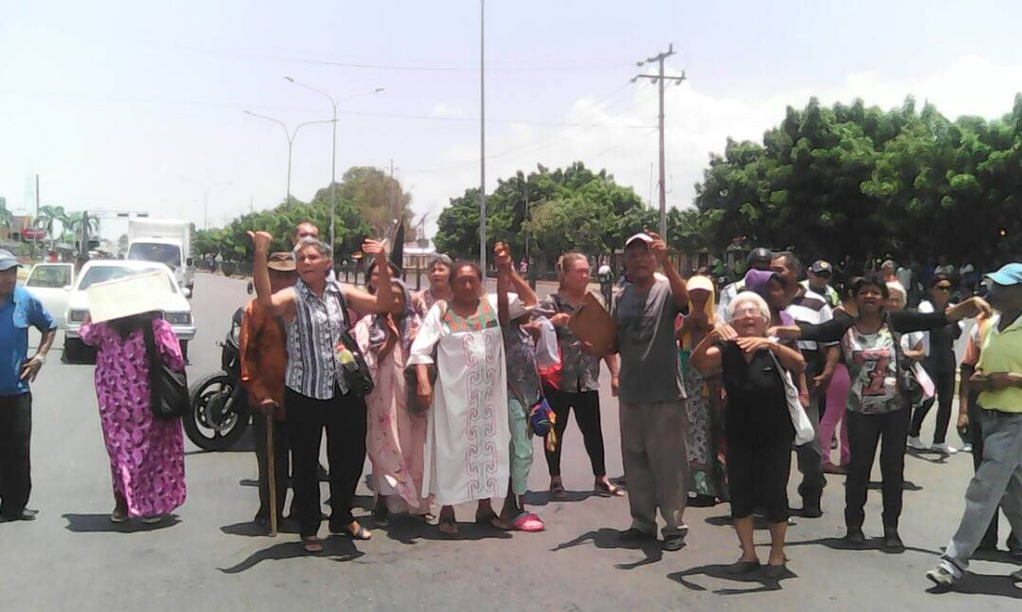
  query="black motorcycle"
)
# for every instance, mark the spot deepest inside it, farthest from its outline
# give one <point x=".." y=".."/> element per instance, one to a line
<point x="220" y="412"/>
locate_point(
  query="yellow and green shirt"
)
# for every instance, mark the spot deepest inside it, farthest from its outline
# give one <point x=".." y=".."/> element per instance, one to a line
<point x="1001" y="351"/>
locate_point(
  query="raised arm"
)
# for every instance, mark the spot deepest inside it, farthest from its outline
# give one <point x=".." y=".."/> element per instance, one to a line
<point x="280" y="303"/>
<point x="679" y="289"/>
<point x="385" y="299"/>
<point x="502" y="259"/>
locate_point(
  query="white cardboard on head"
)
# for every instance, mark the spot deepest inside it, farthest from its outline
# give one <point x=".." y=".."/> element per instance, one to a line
<point x="127" y="296"/>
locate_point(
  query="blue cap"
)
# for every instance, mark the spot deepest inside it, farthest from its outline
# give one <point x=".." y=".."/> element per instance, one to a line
<point x="7" y="260"/>
<point x="1008" y="275"/>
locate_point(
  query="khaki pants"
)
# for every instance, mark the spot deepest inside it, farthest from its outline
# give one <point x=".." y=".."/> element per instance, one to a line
<point x="654" y="446"/>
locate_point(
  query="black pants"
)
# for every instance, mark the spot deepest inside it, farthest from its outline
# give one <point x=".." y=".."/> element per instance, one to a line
<point x="344" y="418"/>
<point x="15" y="467"/>
<point x="945" y="387"/>
<point x="281" y="463"/>
<point x="757" y="477"/>
<point x="865" y="433"/>
<point x="587" y="415"/>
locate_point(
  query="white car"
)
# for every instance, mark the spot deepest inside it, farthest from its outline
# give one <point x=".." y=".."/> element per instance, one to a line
<point x="51" y="283"/>
<point x="177" y="311"/>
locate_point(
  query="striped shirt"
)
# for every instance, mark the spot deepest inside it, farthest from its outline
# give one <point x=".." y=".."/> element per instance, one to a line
<point x="809" y="307"/>
<point x="312" y="338"/>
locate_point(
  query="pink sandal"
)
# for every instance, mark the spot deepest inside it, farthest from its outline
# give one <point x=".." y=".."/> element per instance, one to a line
<point x="528" y="522"/>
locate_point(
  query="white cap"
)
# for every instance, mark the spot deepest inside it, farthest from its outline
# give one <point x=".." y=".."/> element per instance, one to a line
<point x="643" y="236"/>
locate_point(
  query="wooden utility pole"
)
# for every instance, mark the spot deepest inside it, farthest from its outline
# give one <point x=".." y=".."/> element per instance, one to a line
<point x="660" y="79"/>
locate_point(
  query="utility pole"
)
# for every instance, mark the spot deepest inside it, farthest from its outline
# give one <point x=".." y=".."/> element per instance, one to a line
<point x="660" y="79"/>
<point x="482" y="136"/>
<point x="35" y="220"/>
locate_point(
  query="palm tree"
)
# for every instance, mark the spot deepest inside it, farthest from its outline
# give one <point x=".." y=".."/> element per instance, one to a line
<point x="47" y="215"/>
<point x="73" y="226"/>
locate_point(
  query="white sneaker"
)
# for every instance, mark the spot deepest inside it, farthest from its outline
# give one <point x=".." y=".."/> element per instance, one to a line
<point x="916" y="443"/>
<point x="944" y="449"/>
<point x="967" y="448"/>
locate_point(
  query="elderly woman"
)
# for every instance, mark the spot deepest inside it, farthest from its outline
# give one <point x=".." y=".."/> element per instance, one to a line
<point x="396" y="434"/>
<point x="467" y="438"/>
<point x="578" y="384"/>
<point x="758" y="424"/>
<point x="705" y="478"/>
<point x="147" y="455"/>
<point x="317" y="394"/>
<point x="439" y="272"/>
<point x="878" y="402"/>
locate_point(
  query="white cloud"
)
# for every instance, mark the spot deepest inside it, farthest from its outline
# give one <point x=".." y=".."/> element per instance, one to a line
<point x="698" y="123"/>
<point x="443" y="110"/>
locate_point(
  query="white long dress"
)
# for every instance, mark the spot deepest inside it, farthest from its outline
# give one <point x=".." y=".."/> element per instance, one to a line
<point x="467" y="439"/>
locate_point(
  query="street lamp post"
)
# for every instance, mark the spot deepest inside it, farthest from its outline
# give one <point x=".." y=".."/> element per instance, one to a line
<point x="290" y="141"/>
<point x="334" y="103"/>
<point x="482" y="135"/>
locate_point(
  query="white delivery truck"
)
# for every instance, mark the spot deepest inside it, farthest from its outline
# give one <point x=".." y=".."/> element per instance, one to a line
<point x="167" y="242"/>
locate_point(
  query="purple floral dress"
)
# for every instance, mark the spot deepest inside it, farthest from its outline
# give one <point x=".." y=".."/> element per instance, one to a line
<point x="147" y="461"/>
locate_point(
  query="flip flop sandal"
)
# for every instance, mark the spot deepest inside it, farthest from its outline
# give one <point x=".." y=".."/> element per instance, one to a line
<point x="312" y="545"/>
<point x="528" y="522"/>
<point x="557" y="490"/>
<point x="608" y="490"/>
<point x="489" y="520"/>
<point x="448" y="526"/>
<point x="117" y="517"/>
<point x="360" y="534"/>
<point x="152" y="520"/>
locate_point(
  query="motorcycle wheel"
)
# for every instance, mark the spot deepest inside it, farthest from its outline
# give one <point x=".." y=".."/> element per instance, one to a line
<point x="202" y="426"/>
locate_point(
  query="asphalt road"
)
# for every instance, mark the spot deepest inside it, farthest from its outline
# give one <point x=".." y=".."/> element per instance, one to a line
<point x="210" y="558"/>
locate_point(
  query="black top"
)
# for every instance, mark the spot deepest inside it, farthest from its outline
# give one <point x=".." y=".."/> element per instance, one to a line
<point x="902" y="321"/>
<point x="757" y="410"/>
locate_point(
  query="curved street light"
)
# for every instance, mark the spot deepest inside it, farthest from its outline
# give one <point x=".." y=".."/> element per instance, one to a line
<point x="334" y="103"/>
<point x="290" y="140"/>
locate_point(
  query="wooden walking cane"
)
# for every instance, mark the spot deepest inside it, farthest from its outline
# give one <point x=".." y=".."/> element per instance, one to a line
<point x="271" y="472"/>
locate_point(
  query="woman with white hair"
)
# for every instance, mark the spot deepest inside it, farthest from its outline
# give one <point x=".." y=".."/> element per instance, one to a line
<point x="757" y="423"/>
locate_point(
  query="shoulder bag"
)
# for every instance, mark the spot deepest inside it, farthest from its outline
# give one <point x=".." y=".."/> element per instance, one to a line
<point x="804" y="432"/>
<point x="168" y="388"/>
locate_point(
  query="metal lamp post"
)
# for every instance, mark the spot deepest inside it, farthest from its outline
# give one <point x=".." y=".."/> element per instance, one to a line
<point x="290" y="141"/>
<point x="334" y="103"/>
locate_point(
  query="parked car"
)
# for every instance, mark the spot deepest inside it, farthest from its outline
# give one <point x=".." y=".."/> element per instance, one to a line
<point x="177" y="311"/>
<point x="51" y="283"/>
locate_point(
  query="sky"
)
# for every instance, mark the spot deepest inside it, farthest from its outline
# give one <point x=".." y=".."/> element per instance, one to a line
<point x="139" y="106"/>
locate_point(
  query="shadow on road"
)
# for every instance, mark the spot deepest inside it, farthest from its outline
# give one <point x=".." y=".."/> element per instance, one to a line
<point x="607" y="538"/>
<point x="251" y="529"/>
<point x="871" y="544"/>
<point x="983" y="584"/>
<point x="410" y="529"/>
<point x="335" y="548"/>
<point x="907" y="485"/>
<point x="725" y="520"/>
<point x="929" y="456"/>
<point x="721" y="572"/>
<point x="543" y="498"/>
<point x="101" y="523"/>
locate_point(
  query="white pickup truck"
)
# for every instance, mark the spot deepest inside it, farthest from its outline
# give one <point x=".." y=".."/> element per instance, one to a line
<point x="167" y="242"/>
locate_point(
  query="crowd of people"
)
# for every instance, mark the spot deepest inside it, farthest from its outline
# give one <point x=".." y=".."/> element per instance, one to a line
<point x="445" y="389"/>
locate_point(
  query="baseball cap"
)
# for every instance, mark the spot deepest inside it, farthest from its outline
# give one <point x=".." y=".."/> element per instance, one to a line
<point x="643" y="236"/>
<point x="821" y="266"/>
<point x="8" y="260"/>
<point x="1008" y="275"/>
<point x="281" y="261"/>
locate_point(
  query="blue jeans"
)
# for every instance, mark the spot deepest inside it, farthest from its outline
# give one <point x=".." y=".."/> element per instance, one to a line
<point x="998" y="482"/>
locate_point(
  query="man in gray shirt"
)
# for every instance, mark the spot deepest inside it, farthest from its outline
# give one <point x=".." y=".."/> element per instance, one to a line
<point x="654" y="424"/>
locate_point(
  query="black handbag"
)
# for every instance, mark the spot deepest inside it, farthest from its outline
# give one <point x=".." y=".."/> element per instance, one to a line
<point x="356" y="372"/>
<point x="168" y="388"/>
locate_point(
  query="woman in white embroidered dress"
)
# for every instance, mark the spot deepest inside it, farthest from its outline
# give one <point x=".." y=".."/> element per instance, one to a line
<point x="467" y="441"/>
